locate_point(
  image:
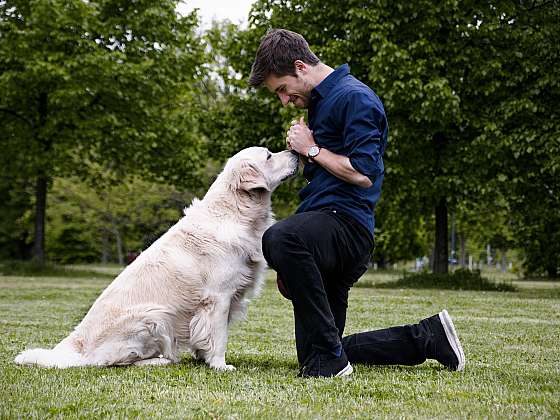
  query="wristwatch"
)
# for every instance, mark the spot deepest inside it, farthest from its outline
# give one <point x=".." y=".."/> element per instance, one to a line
<point x="313" y="151"/>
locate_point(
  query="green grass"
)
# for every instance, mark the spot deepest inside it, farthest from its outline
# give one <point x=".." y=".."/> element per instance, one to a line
<point x="511" y="341"/>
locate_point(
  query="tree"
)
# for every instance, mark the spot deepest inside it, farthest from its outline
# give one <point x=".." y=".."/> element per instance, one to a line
<point x="97" y="87"/>
<point x="93" y="223"/>
<point x="519" y="143"/>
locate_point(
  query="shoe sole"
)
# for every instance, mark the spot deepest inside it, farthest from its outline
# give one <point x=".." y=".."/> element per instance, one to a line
<point x="453" y="338"/>
<point x="346" y="371"/>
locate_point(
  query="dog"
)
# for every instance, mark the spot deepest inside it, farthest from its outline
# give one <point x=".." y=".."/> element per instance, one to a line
<point x="185" y="289"/>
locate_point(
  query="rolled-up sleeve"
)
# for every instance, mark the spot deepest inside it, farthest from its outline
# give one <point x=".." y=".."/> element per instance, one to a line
<point x="365" y="134"/>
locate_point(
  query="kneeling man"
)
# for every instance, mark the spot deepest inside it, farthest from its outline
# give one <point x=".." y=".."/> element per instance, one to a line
<point x="322" y="250"/>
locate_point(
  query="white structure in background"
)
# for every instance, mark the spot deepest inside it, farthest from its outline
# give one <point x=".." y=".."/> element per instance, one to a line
<point x="209" y="10"/>
<point x="488" y="255"/>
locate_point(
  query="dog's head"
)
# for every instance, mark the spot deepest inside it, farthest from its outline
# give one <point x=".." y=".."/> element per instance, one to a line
<point x="256" y="169"/>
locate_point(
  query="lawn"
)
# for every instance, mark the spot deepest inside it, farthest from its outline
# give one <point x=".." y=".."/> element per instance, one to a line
<point x="511" y="341"/>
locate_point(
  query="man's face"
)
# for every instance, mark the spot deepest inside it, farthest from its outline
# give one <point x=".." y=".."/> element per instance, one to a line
<point x="290" y="89"/>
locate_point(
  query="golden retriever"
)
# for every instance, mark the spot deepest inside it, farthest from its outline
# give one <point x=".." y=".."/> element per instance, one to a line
<point x="184" y="290"/>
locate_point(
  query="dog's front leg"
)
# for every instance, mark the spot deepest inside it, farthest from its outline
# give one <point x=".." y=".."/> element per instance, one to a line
<point x="209" y="331"/>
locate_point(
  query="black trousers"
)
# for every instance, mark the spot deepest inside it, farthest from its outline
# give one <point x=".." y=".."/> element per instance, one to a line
<point x="319" y="255"/>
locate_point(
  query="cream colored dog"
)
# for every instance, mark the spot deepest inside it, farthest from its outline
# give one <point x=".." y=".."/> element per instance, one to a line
<point x="185" y="289"/>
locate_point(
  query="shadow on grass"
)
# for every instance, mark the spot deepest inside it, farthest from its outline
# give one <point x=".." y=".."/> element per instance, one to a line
<point x="32" y="268"/>
<point x="461" y="279"/>
<point x="266" y="363"/>
<point x="263" y="362"/>
<point x="245" y="362"/>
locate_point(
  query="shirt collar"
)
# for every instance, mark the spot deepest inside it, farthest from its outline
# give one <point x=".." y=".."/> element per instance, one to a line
<point x="331" y="80"/>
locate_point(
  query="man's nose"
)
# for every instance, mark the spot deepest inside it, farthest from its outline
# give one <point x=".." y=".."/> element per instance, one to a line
<point x="284" y="98"/>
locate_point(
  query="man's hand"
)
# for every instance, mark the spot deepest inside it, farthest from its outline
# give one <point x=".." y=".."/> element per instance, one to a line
<point x="299" y="137"/>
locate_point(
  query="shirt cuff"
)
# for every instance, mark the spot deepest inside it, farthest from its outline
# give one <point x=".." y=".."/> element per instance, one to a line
<point x="367" y="166"/>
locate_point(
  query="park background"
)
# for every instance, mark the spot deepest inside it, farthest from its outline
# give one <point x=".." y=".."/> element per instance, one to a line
<point x="115" y="114"/>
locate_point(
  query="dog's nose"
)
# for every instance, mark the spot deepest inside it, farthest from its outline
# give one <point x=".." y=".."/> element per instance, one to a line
<point x="293" y="152"/>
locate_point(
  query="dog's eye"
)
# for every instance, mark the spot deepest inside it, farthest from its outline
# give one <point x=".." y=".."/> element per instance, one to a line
<point x="269" y="156"/>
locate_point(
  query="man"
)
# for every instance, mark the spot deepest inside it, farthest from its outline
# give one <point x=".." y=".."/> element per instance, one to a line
<point x="325" y="247"/>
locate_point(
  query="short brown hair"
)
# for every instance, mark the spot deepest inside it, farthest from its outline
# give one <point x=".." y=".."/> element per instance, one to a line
<point x="277" y="52"/>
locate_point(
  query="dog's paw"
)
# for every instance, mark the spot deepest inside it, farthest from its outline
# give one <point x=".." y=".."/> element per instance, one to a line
<point x="227" y="367"/>
<point x="223" y="367"/>
<point x="26" y="358"/>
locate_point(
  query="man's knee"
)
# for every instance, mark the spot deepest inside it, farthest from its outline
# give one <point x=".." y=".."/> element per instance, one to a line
<point x="275" y="241"/>
<point x="270" y="242"/>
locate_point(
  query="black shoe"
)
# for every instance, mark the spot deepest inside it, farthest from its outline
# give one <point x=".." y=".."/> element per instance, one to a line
<point x="320" y="365"/>
<point x="445" y="346"/>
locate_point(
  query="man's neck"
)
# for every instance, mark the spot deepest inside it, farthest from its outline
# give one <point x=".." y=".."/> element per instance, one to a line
<point x="320" y="73"/>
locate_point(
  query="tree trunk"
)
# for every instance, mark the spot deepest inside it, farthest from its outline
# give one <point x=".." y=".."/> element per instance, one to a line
<point x="432" y="258"/>
<point x="462" y="242"/>
<point x="381" y="263"/>
<point x="40" y="212"/>
<point x="453" y="239"/>
<point x="441" y="256"/>
<point x="440" y="251"/>
<point x="41" y="186"/>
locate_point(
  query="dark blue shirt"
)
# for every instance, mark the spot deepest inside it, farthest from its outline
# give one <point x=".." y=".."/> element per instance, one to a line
<point x="348" y="119"/>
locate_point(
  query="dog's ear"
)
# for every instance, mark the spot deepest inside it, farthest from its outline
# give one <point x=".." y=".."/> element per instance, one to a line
<point x="251" y="178"/>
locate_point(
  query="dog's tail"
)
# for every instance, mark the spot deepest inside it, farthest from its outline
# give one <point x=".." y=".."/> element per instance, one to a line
<point x="60" y="357"/>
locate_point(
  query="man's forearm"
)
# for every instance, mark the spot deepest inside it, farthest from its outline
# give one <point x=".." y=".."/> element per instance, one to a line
<point x="300" y="138"/>
<point x="340" y="166"/>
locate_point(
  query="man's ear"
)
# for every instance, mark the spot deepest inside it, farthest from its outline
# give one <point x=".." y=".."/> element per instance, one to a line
<point x="300" y="66"/>
<point x="252" y="178"/>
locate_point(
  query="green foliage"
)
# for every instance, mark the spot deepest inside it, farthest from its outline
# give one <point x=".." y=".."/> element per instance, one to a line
<point x="237" y="116"/>
<point x="99" y="89"/>
<point x="106" y="89"/>
<point x="95" y="224"/>
<point x="16" y="200"/>
<point x="519" y="137"/>
<point x="100" y="82"/>
<point x="458" y="280"/>
<point x="538" y="235"/>
<point x="398" y="238"/>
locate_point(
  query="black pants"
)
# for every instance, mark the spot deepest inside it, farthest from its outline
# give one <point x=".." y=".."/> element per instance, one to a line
<point x="319" y="255"/>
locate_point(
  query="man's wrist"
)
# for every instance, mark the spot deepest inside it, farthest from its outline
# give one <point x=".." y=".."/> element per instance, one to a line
<point x="313" y="151"/>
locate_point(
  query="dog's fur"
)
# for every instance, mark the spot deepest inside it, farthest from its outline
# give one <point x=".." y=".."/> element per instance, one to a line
<point x="185" y="289"/>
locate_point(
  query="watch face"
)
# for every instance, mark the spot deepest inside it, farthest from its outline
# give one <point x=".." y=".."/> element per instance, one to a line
<point x="313" y="151"/>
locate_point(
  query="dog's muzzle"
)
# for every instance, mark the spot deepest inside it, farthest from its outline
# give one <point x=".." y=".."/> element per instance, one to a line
<point x="295" y="160"/>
